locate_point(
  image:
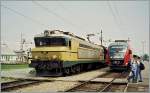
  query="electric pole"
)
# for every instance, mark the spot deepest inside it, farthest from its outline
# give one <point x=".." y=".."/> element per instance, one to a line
<point x="101" y="38"/>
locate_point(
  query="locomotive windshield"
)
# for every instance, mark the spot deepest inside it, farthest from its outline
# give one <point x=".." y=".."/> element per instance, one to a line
<point x="51" y="41"/>
<point x="117" y="48"/>
<point x="117" y="51"/>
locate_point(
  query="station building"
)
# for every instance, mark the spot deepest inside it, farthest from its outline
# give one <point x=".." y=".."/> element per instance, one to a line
<point x="10" y="56"/>
<point x="7" y="55"/>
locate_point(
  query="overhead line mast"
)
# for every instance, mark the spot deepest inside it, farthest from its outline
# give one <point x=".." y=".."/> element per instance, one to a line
<point x="101" y="38"/>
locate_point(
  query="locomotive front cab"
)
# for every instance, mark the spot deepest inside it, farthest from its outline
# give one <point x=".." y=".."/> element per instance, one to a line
<point x="49" y="52"/>
<point x="117" y="55"/>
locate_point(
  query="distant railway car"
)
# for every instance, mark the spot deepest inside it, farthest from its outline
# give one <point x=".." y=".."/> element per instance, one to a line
<point x="61" y="53"/>
<point x="119" y="55"/>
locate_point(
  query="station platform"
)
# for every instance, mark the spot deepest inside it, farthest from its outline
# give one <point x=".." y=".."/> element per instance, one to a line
<point x="141" y="86"/>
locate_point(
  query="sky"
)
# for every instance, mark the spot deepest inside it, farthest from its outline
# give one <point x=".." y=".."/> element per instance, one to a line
<point x="117" y="20"/>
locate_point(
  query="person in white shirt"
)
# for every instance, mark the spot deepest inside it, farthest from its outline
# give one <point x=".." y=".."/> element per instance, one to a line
<point x="134" y="70"/>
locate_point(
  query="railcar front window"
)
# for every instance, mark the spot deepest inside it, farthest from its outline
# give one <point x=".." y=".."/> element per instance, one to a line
<point x="117" y="51"/>
<point x="51" y="41"/>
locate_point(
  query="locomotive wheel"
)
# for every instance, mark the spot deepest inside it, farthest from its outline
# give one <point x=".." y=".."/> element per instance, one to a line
<point x="66" y="71"/>
<point x="81" y="67"/>
<point x="37" y="70"/>
<point x="78" y="68"/>
<point x="89" y="67"/>
<point x="73" y="69"/>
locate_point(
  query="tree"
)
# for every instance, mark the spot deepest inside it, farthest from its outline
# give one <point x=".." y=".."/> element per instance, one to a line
<point x="145" y="57"/>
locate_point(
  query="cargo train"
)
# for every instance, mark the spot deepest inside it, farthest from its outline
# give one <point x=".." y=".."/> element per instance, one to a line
<point x="59" y="53"/>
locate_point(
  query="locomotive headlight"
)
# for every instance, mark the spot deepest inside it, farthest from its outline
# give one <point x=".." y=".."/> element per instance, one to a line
<point x="54" y="57"/>
<point x="36" y="57"/>
<point x="59" y="57"/>
<point x="111" y="56"/>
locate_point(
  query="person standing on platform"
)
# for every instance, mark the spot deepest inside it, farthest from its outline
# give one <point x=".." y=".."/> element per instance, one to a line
<point x="141" y="67"/>
<point x="134" y="70"/>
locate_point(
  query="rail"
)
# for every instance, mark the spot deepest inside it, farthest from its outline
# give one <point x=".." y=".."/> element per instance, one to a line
<point x="90" y="86"/>
<point x="105" y="89"/>
<point x="18" y="83"/>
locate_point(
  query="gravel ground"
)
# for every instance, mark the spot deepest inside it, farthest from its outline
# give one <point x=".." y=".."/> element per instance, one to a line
<point x="48" y="87"/>
<point x="55" y="86"/>
<point x="82" y="77"/>
<point x="30" y="73"/>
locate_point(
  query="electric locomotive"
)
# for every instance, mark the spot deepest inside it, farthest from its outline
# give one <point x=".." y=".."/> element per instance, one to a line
<point x="59" y="53"/>
<point x="119" y="55"/>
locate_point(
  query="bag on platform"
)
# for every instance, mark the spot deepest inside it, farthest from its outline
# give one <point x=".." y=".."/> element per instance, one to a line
<point x="142" y="67"/>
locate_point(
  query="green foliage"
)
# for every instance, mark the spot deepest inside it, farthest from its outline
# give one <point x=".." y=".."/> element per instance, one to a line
<point x="145" y="57"/>
<point x="13" y="66"/>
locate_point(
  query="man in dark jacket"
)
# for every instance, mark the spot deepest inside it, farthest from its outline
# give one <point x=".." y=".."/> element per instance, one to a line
<point x="140" y="64"/>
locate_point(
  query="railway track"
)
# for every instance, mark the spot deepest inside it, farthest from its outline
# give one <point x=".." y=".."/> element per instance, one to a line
<point x="86" y="86"/>
<point x="114" y="87"/>
<point x="7" y="86"/>
<point x="111" y="86"/>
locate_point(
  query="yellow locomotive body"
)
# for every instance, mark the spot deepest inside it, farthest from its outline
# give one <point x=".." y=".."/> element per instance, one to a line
<point x="64" y="53"/>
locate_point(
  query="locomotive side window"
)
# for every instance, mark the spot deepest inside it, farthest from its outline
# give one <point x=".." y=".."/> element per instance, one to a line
<point x="51" y="41"/>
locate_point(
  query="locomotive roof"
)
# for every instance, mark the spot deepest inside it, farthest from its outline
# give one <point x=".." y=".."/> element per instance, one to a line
<point x="57" y="33"/>
<point x="53" y="35"/>
<point x="119" y="43"/>
<point x="68" y="35"/>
